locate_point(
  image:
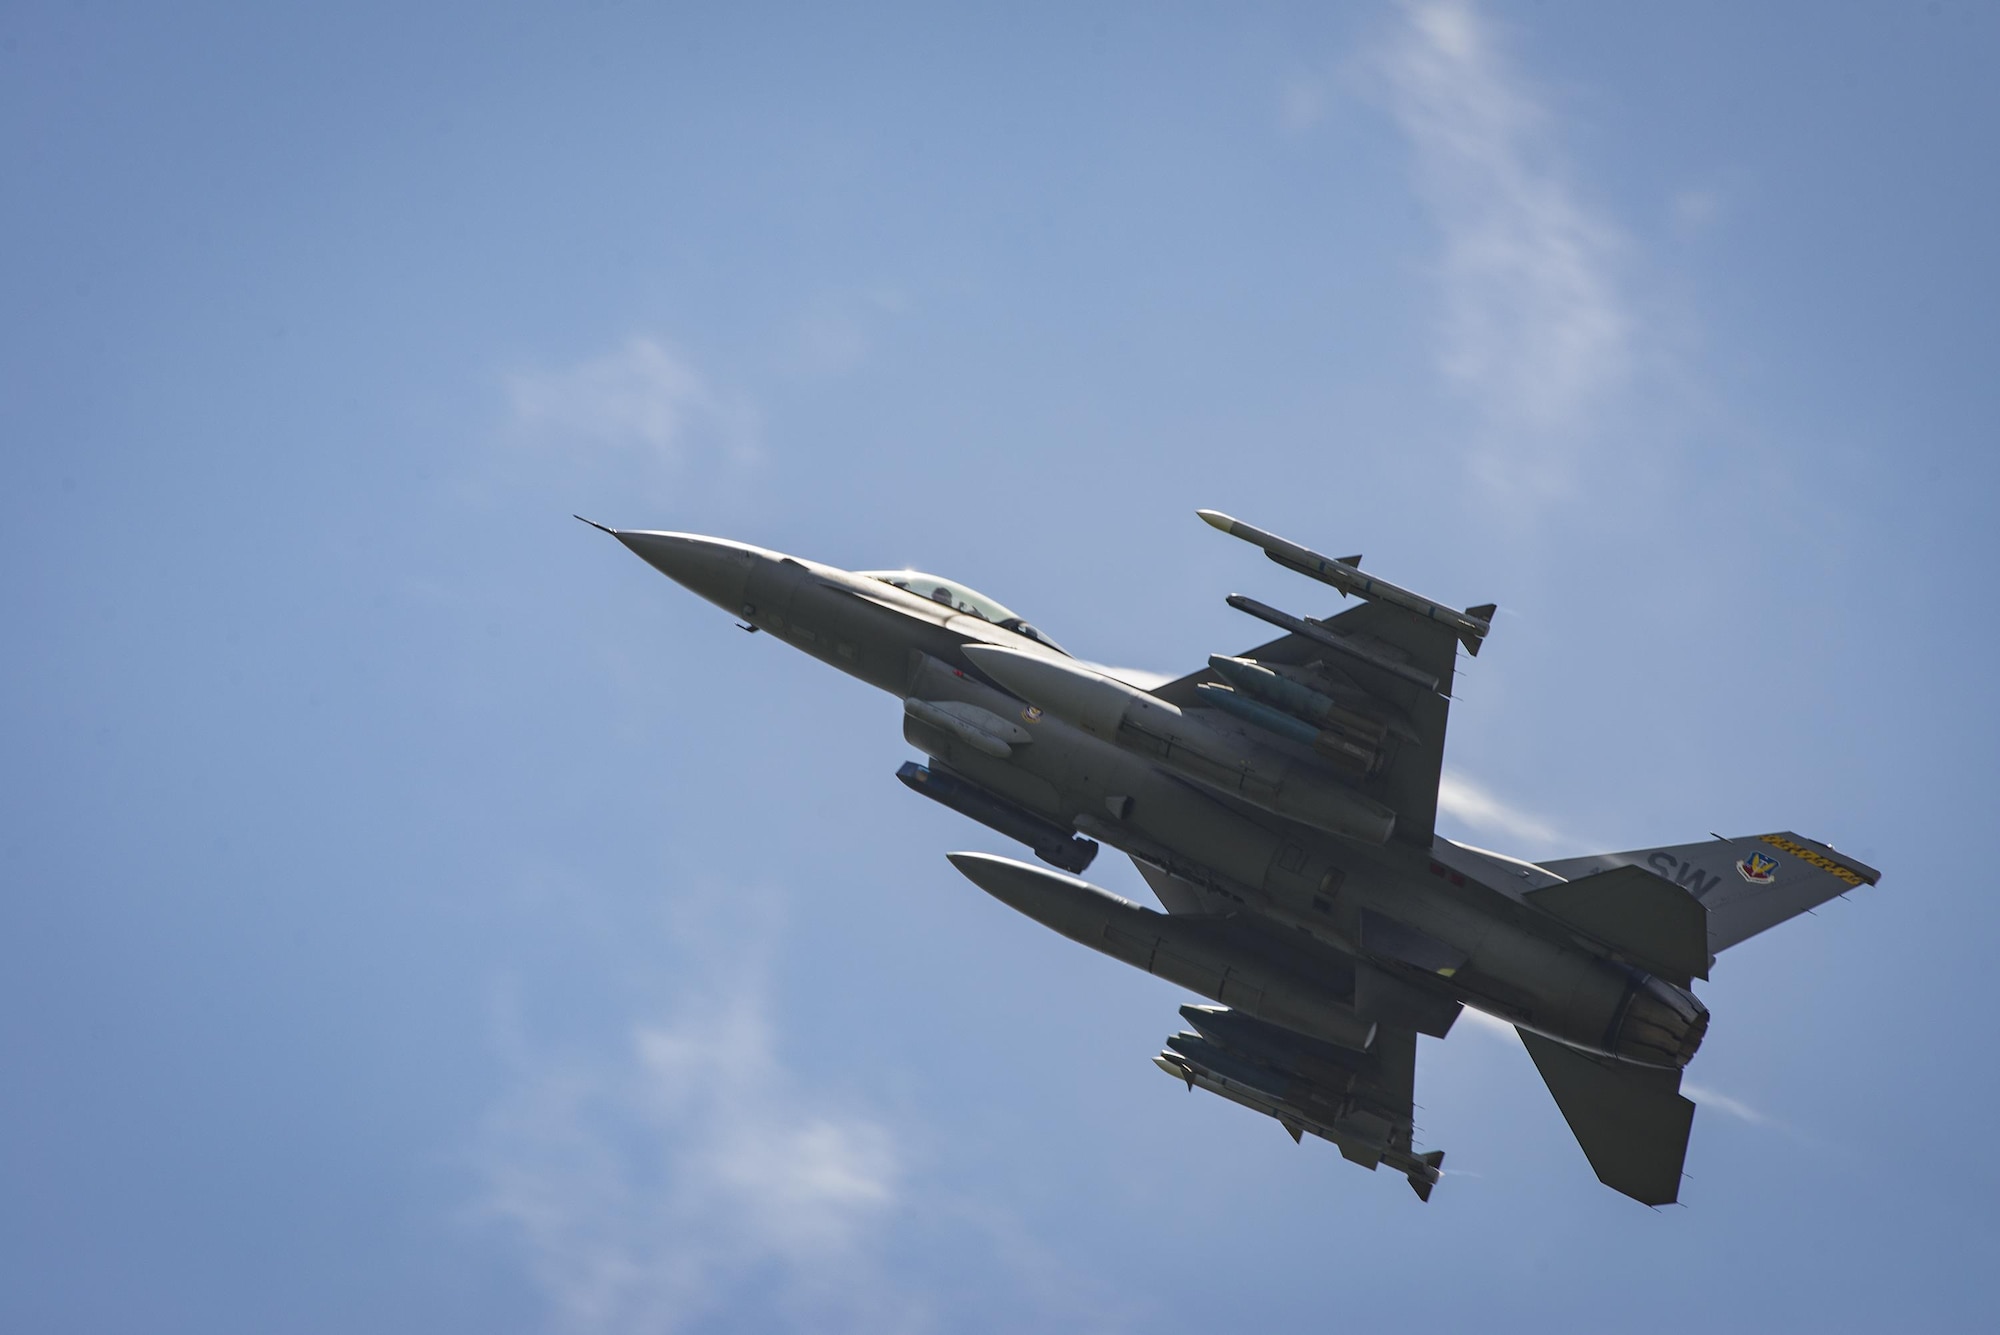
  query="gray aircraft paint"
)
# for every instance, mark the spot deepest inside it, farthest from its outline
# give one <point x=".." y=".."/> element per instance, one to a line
<point x="1314" y="881"/>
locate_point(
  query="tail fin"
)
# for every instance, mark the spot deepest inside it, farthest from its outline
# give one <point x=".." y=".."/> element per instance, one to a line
<point x="1747" y="884"/>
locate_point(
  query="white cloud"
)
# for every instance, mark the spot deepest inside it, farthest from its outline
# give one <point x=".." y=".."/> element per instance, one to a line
<point x="837" y="332"/>
<point x="690" y="1180"/>
<point x="1465" y="801"/>
<point x="1537" y="334"/>
<point x="692" y="1177"/>
<point x="1695" y="210"/>
<point x="643" y="404"/>
<point x="1302" y="104"/>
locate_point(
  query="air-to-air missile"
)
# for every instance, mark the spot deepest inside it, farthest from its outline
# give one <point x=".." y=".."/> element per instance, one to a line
<point x="1281" y="804"/>
<point x="1052" y="843"/>
<point x="1472" y="625"/>
<point x="1337" y="1095"/>
<point x="1264" y="699"/>
<point x="1317" y="633"/>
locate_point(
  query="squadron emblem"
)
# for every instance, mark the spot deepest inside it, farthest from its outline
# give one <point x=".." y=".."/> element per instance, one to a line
<point x="1758" y="869"/>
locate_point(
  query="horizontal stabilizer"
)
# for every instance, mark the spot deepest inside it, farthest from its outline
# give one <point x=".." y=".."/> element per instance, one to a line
<point x="1640" y="914"/>
<point x="1632" y="1121"/>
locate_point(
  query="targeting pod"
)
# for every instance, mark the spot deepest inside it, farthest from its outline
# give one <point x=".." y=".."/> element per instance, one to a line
<point x="1051" y="842"/>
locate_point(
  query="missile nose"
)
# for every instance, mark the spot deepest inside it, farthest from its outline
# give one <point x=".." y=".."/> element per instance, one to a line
<point x="713" y="568"/>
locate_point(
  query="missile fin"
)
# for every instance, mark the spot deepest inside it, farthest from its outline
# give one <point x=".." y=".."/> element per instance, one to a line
<point x="1483" y="612"/>
<point x="1421" y="1181"/>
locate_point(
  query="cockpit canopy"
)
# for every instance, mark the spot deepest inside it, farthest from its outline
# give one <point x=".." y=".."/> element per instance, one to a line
<point x="960" y="599"/>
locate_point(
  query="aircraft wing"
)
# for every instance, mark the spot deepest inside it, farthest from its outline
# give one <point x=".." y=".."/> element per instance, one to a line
<point x="1393" y="637"/>
<point x="1360" y="1102"/>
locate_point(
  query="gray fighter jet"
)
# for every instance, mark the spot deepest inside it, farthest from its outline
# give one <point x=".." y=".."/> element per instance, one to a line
<point x="1282" y="805"/>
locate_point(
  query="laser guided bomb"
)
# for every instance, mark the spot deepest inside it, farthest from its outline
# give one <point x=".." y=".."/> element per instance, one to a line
<point x="1281" y="804"/>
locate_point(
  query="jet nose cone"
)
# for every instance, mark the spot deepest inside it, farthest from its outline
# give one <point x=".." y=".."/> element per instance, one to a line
<point x="714" y="568"/>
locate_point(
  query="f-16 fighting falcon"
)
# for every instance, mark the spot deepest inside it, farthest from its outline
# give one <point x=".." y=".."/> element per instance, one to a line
<point x="1282" y="805"/>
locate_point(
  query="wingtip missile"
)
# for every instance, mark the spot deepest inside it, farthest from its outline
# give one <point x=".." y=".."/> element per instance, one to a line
<point x="1345" y="575"/>
<point x="1217" y="519"/>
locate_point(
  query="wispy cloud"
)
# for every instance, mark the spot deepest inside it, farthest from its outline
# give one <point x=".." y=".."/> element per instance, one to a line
<point x="1465" y="801"/>
<point x="694" y="1174"/>
<point x="643" y="407"/>
<point x="1537" y="334"/>
<point x="1480" y="1022"/>
<point x="1302" y="104"/>
<point x="1722" y="1103"/>
<point x="836" y="333"/>
<point x="1696" y="209"/>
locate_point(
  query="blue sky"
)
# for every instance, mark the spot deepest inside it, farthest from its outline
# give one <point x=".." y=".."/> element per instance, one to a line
<point x="419" y="915"/>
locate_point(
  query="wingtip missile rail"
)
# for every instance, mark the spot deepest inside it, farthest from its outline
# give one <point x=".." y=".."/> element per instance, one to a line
<point x="1471" y="625"/>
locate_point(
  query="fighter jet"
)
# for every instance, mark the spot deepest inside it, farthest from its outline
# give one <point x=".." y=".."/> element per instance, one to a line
<point x="1282" y="805"/>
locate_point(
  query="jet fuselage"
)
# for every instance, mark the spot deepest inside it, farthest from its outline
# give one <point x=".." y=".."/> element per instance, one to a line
<point x="1441" y="923"/>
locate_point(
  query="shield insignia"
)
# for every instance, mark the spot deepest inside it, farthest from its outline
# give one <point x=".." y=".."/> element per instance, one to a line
<point x="1758" y="869"/>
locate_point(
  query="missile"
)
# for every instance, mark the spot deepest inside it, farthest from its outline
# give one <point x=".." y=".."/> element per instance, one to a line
<point x="1194" y="953"/>
<point x="1423" y="1171"/>
<point x="1324" y="1073"/>
<point x="1340" y="644"/>
<point x="1294" y="1120"/>
<point x="1129" y="718"/>
<point x="1274" y="1084"/>
<point x="1281" y="692"/>
<point x="1333" y="745"/>
<point x="1471" y="625"/>
<point x="1280" y="1048"/>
